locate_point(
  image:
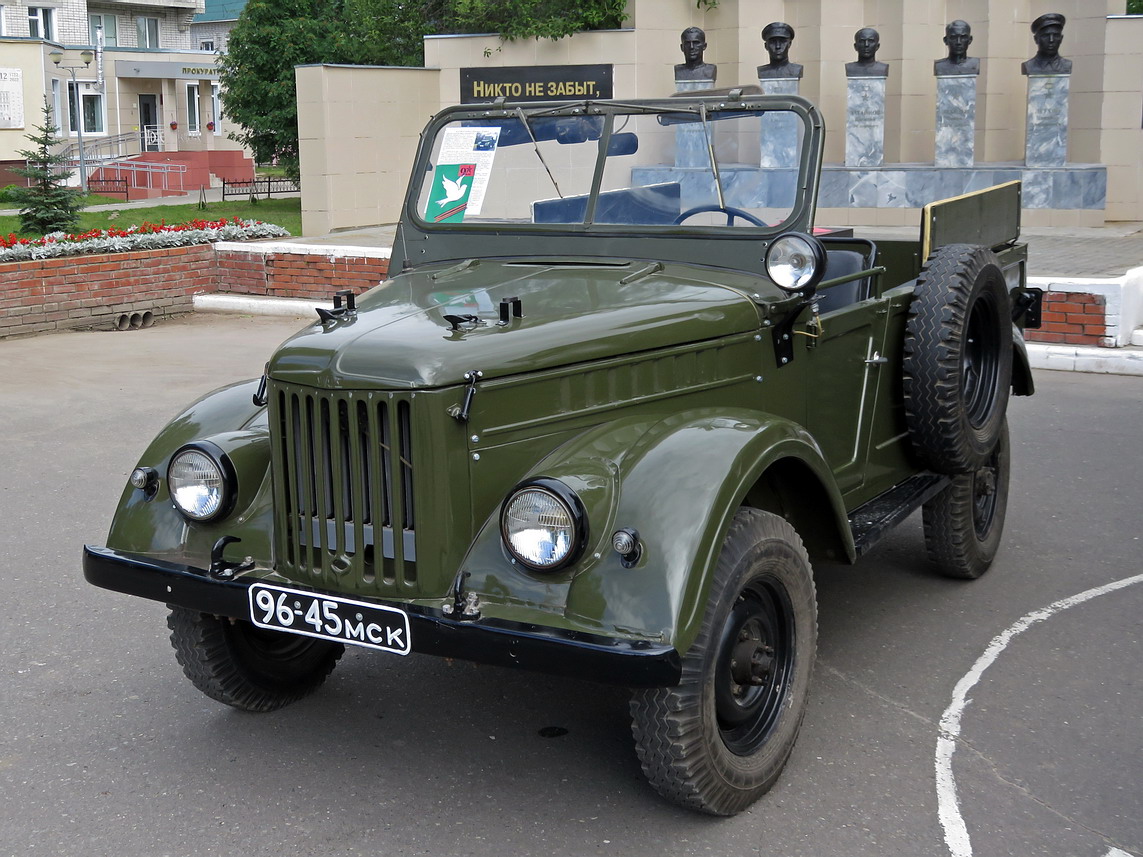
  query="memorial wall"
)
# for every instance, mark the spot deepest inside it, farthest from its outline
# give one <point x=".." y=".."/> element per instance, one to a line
<point x="922" y="100"/>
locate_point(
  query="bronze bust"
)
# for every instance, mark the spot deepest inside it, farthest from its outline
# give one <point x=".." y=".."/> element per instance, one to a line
<point x="692" y="44"/>
<point x="777" y="37"/>
<point x="866" y="41"/>
<point x="958" y="36"/>
<point x="1048" y="31"/>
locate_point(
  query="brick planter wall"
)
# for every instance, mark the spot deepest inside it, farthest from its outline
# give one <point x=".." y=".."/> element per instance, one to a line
<point x="1071" y="318"/>
<point x="96" y="291"/>
<point x="296" y="275"/>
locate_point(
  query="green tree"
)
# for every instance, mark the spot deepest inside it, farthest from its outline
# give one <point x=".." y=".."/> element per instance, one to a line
<point x="47" y="204"/>
<point x="522" y="19"/>
<point x="1135" y="7"/>
<point x="257" y="71"/>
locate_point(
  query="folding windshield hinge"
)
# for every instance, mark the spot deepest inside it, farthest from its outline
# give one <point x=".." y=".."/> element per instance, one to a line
<point x="461" y="414"/>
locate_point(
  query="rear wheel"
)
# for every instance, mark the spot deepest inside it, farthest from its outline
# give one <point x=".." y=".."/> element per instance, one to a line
<point x="719" y="740"/>
<point x="963" y="523"/>
<point x="247" y="667"/>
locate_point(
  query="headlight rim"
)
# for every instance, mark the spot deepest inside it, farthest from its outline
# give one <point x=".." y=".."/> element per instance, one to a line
<point x="570" y="501"/>
<point x="817" y="249"/>
<point x="229" y="480"/>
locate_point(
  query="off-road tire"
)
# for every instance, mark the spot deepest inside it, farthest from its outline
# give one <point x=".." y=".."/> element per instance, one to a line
<point x="250" y="668"/>
<point x="958" y="358"/>
<point x="963" y="523"/>
<point x="714" y="743"/>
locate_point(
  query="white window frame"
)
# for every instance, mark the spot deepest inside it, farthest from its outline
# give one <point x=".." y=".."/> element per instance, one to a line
<point x="57" y="106"/>
<point x="216" y="103"/>
<point x="3" y="14"/>
<point x="45" y="21"/>
<point x="99" y="112"/>
<point x="110" y="34"/>
<point x="143" y="31"/>
<point x="194" y="117"/>
<point x="206" y="45"/>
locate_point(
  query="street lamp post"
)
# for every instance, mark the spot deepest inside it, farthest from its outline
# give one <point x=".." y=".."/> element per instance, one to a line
<point x="71" y="68"/>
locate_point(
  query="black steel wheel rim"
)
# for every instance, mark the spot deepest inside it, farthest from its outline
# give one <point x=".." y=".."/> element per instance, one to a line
<point x="273" y="653"/>
<point x="980" y="361"/>
<point x="755" y="665"/>
<point x="984" y="485"/>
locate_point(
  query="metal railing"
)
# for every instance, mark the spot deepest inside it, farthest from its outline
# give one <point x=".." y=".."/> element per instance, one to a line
<point x="257" y="187"/>
<point x="119" y="146"/>
<point x="146" y="174"/>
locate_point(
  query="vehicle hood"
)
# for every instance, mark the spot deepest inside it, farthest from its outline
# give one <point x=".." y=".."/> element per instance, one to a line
<point x="572" y="312"/>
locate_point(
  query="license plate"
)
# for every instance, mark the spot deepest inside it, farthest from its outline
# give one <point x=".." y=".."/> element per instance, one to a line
<point x="328" y="618"/>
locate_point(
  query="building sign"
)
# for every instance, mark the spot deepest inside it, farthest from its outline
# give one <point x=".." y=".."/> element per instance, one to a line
<point x="166" y="70"/>
<point x="536" y="83"/>
<point x="11" y="98"/>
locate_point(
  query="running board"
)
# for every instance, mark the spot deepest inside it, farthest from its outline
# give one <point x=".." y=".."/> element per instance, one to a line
<point x="872" y="520"/>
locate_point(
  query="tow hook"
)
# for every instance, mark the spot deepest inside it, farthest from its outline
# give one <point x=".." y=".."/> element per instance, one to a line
<point x="220" y="569"/>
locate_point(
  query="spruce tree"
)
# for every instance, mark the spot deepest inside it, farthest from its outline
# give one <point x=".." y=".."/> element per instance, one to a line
<point x="47" y="204"/>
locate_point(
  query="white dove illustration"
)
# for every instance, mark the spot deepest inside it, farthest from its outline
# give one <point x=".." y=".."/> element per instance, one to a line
<point x="454" y="190"/>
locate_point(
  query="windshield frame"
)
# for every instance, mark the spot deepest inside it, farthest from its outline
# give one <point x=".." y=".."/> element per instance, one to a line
<point x="800" y="217"/>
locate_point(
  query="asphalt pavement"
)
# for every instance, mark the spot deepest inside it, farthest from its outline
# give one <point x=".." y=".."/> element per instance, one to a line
<point x="105" y="749"/>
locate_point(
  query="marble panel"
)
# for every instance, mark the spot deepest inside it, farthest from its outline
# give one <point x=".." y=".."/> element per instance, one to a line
<point x="690" y="141"/>
<point x="1037" y="191"/>
<point x="779" y="131"/>
<point x="833" y="192"/>
<point x="925" y="186"/>
<point x="956" y="121"/>
<point x="1046" y="133"/>
<point x="865" y="122"/>
<point x="891" y="189"/>
<point x="862" y="189"/>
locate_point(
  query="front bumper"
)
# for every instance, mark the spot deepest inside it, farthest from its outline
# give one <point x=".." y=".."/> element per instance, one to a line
<point x="631" y="663"/>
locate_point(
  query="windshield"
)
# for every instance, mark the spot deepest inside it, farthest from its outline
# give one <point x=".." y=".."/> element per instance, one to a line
<point x="613" y="164"/>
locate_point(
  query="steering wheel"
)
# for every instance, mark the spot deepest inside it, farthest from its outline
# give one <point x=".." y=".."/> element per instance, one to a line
<point x="729" y="211"/>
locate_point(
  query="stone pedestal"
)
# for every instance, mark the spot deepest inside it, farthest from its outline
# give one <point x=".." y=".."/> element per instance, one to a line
<point x="865" y="121"/>
<point x="690" y="141"/>
<point x="956" y="120"/>
<point x="1046" y="134"/>
<point x="779" y="147"/>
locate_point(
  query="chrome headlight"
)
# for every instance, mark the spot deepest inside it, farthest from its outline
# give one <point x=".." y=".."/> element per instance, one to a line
<point x="201" y="480"/>
<point x="795" y="262"/>
<point x="543" y="525"/>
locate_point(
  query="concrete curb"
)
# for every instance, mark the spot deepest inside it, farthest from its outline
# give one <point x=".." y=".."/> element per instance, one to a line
<point x="1113" y="361"/>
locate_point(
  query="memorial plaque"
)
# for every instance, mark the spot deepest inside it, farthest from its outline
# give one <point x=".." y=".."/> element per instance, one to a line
<point x="536" y="83"/>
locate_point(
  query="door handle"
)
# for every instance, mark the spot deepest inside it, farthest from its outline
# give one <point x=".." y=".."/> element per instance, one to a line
<point x="876" y="360"/>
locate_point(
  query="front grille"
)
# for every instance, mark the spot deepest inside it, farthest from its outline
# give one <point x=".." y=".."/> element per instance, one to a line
<point x="343" y="488"/>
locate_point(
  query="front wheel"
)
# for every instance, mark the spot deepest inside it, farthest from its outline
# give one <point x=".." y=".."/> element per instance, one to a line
<point x="719" y="740"/>
<point x="248" y="667"/>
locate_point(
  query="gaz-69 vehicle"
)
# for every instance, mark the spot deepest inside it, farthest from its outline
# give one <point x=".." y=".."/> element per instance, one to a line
<point x="616" y="393"/>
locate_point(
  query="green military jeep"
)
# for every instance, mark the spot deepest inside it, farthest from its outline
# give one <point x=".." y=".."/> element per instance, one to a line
<point x="616" y="394"/>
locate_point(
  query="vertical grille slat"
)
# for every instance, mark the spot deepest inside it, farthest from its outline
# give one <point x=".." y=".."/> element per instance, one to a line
<point x="343" y="482"/>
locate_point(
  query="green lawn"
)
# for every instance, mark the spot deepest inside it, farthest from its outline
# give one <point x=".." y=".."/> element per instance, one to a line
<point x="286" y="213"/>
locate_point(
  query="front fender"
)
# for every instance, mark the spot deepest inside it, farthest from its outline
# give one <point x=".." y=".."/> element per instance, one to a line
<point x="678" y="480"/>
<point x="152" y="526"/>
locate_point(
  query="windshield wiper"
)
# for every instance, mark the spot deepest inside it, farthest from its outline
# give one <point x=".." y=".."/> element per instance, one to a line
<point x="524" y="121"/>
<point x="710" y="152"/>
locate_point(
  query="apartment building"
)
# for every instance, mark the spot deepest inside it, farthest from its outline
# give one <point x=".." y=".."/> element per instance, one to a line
<point x="131" y="80"/>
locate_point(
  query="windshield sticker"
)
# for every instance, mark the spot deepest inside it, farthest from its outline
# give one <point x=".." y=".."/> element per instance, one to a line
<point x="452" y="189"/>
<point x="472" y="151"/>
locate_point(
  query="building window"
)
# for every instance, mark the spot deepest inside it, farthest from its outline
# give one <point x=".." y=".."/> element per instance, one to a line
<point x="216" y="102"/>
<point x="92" y="108"/>
<point x="57" y="113"/>
<point x="206" y="45"/>
<point x="110" y="30"/>
<point x="148" y="30"/>
<point x="3" y="26"/>
<point x="41" y="23"/>
<point x="193" y="125"/>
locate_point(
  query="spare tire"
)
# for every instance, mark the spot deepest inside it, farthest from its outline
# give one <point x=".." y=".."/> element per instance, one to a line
<point x="958" y="358"/>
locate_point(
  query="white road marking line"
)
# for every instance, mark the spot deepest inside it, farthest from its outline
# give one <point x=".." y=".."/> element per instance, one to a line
<point x="948" y="808"/>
